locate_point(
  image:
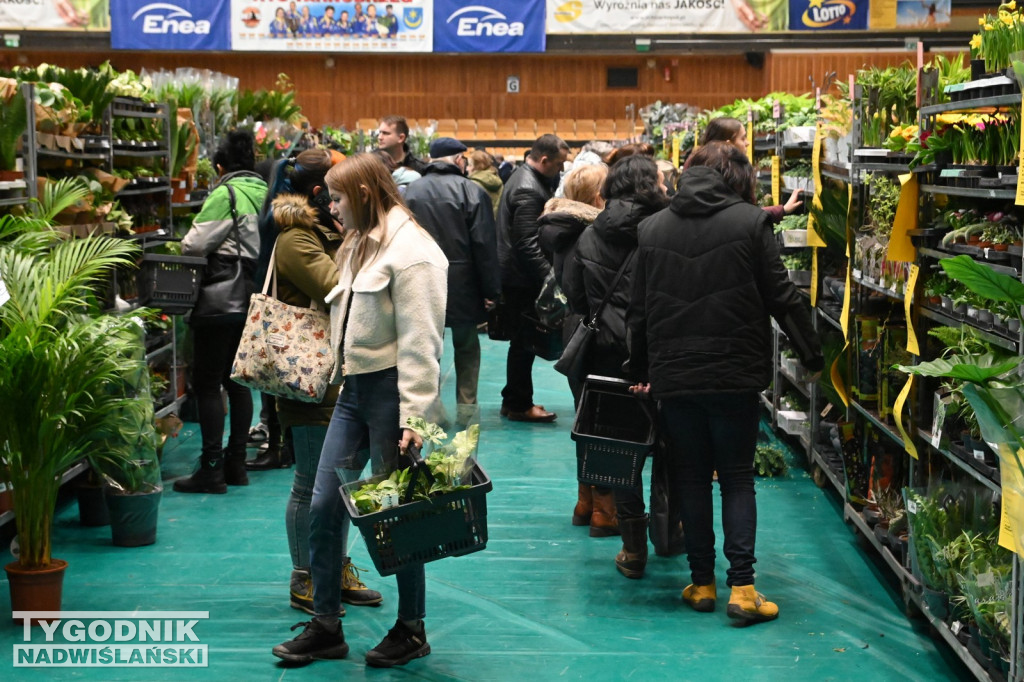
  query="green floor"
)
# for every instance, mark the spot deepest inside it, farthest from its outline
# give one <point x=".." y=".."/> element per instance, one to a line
<point x="542" y="602"/>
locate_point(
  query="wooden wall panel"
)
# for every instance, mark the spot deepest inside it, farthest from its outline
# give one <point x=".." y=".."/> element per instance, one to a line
<point x="445" y="86"/>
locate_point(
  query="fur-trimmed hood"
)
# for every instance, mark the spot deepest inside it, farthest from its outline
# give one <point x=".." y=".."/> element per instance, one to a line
<point x="293" y="210"/>
<point x="585" y="212"/>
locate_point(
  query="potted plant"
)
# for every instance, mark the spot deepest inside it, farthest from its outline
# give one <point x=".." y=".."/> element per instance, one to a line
<point x="13" y="122"/>
<point x="59" y="361"/>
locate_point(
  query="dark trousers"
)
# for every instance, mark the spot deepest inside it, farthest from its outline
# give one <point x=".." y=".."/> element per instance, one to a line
<point x="214" y="349"/>
<point x="518" y="392"/>
<point x="268" y="415"/>
<point x="715" y="432"/>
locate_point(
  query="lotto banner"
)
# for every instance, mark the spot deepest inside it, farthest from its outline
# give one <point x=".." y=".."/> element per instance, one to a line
<point x="318" y="26"/>
<point x="741" y="16"/>
<point x="55" y="15"/>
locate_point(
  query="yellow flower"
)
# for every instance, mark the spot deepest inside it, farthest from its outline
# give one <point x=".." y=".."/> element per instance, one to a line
<point x="989" y="27"/>
<point x="981" y="21"/>
<point x="1012" y="5"/>
<point x="976" y="41"/>
<point x="1006" y="18"/>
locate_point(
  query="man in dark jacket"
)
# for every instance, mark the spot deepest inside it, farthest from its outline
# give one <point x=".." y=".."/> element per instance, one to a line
<point x="707" y="277"/>
<point x="524" y="267"/>
<point x="458" y="213"/>
<point x="392" y="136"/>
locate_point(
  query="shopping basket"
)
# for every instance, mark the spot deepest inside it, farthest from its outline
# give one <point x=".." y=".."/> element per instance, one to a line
<point x="614" y="432"/>
<point x="170" y="283"/>
<point x="417" y="532"/>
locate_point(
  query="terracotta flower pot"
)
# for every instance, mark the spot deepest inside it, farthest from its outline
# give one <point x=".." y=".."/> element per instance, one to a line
<point x="36" y="589"/>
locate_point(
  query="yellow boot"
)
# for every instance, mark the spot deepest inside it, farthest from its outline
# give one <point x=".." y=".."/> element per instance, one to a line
<point x="749" y="606"/>
<point x="701" y="597"/>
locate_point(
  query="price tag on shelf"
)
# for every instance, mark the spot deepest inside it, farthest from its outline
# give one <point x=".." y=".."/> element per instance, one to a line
<point x="776" y="109"/>
<point x="912" y="506"/>
<point x="776" y="181"/>
<point x="939" y="406"/>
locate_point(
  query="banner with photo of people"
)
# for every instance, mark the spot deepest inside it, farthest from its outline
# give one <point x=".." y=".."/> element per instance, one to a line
<point x="55" y="15"/>
<point x="317" y="26"/>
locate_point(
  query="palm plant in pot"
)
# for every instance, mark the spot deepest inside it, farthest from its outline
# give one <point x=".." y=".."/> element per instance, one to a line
<point x="125" y="449"/>
<point x="59" y="362"/>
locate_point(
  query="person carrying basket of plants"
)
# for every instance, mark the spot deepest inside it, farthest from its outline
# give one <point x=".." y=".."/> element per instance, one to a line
<point x="387" y="324"/>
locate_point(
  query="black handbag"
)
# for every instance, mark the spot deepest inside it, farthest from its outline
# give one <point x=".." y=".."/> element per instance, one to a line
<point x="539" y="339"/>
<point x="227" y="281"/>
<point x="573" y="362"/>
<point x="498" y="324"/>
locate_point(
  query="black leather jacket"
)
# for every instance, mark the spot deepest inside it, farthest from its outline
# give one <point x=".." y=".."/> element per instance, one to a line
<point x="523" y="263"/>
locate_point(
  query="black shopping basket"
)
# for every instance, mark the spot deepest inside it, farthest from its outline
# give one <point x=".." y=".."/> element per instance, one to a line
<point x="614" y="432"/>
<point x="170" y="283"/>
<point x="417" y="532"/>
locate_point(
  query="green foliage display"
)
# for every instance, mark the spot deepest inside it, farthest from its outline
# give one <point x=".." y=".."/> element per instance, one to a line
<point x="448" y="463"/>
<point x="770" y="461"/>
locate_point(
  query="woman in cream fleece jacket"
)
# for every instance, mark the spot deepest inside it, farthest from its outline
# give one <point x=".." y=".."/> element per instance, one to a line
<point x="387" y="323"/>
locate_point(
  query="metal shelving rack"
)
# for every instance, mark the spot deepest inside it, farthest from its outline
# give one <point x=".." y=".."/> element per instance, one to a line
<point x="852" y="172"/>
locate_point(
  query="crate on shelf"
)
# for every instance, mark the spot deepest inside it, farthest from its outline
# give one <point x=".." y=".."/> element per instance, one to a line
<point x="614" y="431"/>
<point x="453" y="524"/>
<point x="170" y="283"/>
<point x="795" y="423"/>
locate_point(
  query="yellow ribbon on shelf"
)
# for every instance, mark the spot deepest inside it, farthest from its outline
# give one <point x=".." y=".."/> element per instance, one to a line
<point x="901" y="248"/>
<point x="750" y="136"/>
<point x="675" y="150"/>
<point x="776" y="181"/>
<point x="816" y="159"/>
<point x="1011" y="522"/>
<point x="814" y="276"/>
<point x="898" y="407"/>
<point x="1020" y="178"/>
<point x="844" y="317"/>
<point x="908" y="299"/>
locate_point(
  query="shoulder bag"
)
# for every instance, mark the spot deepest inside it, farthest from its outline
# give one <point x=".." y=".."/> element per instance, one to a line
<point x="285" y="350"/>
<point x="573" y="362"/>
<point x="227" y="281"/>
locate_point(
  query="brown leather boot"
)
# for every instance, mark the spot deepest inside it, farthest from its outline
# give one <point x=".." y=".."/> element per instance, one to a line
<point x="603" y="522"/>
<point x="632" y="560"/>
<point x="584" y="506"/>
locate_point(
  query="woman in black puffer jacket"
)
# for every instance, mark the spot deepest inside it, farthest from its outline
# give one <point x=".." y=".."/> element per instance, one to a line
<point x="632" y="191"/>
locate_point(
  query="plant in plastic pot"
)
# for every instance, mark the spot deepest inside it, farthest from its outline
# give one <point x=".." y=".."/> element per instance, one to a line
<point x="13" y="122"/>
<point x="125" y="453"/>
<point x="59" y="359"/>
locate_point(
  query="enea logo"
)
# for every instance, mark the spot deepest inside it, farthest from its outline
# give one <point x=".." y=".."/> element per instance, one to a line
<point x="568" y="11"/>
<point x="413" y="17"/>
<point x="824" y="13"/>
<point x="163" y="18"/>
<point x="484" y="21"/>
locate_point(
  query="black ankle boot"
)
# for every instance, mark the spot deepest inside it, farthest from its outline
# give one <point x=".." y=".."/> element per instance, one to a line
<point x="274" y="457"/>
<point x="208" y="478"/>
<point x="234" y="469"/>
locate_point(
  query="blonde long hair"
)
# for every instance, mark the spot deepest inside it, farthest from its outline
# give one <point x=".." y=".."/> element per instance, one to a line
<point x="359" y="176"/>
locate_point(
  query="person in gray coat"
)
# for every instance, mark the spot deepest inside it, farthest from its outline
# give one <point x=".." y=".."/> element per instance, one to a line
<point x="458" y="215"/>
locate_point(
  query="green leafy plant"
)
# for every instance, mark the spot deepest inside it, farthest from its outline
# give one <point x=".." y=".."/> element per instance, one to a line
<point x="448" y="463"/>
<point x="13" y="122"/>
<point x="770" y="461"/>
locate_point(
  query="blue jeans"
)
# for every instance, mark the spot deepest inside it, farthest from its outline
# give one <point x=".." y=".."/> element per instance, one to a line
<point x="715" y="432"/>
<point x="307" y="443"/>
<point x="364" y="427"/>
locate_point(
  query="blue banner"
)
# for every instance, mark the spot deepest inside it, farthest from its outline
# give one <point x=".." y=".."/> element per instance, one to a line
<point x="172" y="25"/>
<point x="489" y="26"/>
<point x="828" y="15"/>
